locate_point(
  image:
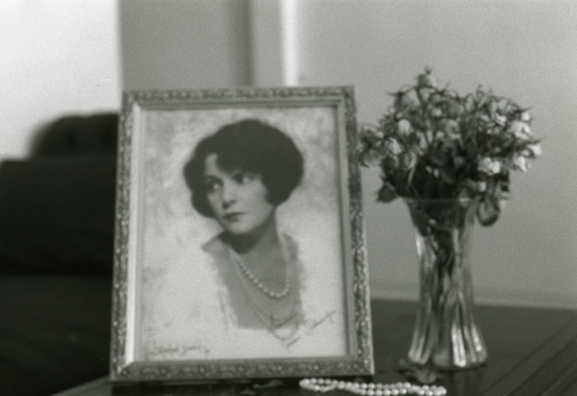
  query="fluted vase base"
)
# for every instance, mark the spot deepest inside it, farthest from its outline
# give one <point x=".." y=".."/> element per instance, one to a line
<point x="446" y="334"/>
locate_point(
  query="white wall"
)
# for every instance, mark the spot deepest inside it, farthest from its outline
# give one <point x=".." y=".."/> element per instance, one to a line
<point x="522" y="49"/>
<point x="56" y="57"/>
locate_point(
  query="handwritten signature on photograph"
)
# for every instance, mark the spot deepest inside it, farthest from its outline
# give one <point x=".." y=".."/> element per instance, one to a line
<point x="309" y="328"/>
<point x="174" y="350"/>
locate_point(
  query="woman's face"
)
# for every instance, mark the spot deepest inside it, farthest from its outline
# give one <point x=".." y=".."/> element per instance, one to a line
<point x="237" y="198"/>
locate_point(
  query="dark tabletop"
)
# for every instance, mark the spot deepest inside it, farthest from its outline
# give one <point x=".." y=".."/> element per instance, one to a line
<point x="532" y="351"/>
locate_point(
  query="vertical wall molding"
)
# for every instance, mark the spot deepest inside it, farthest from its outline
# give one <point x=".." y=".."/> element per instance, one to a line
<point x="289" y="46"/>
<point x="273" y="42"/>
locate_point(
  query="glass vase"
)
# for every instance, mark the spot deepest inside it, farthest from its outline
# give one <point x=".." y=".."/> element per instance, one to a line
<point x="446" y="334"/>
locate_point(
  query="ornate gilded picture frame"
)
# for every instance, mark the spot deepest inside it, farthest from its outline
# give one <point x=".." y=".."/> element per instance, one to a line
<point x="239" y="241"/>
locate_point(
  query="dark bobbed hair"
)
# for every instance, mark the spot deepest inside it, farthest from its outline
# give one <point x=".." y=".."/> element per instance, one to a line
<point x="252" y="146"/>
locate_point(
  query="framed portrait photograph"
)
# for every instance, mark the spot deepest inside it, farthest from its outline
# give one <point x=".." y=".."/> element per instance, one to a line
<point x="239" y="241"/>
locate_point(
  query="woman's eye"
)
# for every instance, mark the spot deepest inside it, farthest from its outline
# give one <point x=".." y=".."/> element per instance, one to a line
<point x="243" y="177"/>
<point x="211" y="185"/>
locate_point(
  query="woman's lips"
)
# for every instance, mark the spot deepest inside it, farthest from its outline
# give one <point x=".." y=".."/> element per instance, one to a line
<point x="233" y="216"/>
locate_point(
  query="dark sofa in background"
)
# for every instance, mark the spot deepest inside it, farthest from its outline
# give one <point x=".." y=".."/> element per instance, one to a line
<point x="56" y="244"/>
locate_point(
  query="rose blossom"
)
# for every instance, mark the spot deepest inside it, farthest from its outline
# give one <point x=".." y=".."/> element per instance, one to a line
<point x="489" y="166"/>
<point x="427" y="80"/>
<point x="520" y="163"/>
<point x="408" y="160"/>
<point x="370" y="157"/>
<point x="404" y="126"/>
<point x="393" y="146"/>
<point x="372" y="135"/>
<point x="535" y="149"/>
<point x="436" y="112"/>
<point x="500" y="119"/>
<point x="520" y="129"/>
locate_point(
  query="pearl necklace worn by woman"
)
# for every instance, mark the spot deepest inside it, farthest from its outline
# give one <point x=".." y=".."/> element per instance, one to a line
<point x="371" y="389"/>
<point x="282" y="327"/>
<point x="254" y="280"/>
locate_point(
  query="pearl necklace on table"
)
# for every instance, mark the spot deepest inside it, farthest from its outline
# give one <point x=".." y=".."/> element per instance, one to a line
<point x="371" y="389"/>
<point x="265" y="290"/>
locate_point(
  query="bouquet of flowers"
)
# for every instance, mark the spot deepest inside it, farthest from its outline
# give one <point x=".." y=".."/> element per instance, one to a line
<point x="436" y="144"/>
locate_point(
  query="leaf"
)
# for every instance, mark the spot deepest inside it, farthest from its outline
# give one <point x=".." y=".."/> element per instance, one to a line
<point x="438" y="158"/>
<point x="471" y="149"/>
<point x="488" y="211"/>
<point x="447" y="177"/>
<point x="420" y="218"/>
<point x="386" y="193"/>
<point x="275" y="383"/>
<point x="422" y="374"/>
<point x="459" y="161"/>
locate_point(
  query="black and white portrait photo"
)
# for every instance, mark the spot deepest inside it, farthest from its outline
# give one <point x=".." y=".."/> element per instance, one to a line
<point x="239" y="176"/>
<point x="244" y="246"/>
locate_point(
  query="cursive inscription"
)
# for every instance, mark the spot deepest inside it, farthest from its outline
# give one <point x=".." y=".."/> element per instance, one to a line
<point x="309" y="326"/>
<point x="328" y="316"/>
<point x="173" y="350"/>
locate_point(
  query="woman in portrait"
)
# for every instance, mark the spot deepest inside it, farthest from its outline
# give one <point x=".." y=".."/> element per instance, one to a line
<point x="239" y="176"/>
